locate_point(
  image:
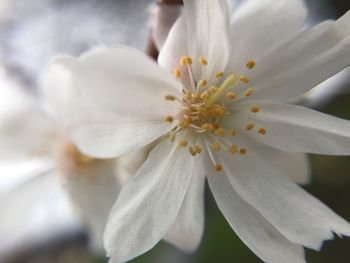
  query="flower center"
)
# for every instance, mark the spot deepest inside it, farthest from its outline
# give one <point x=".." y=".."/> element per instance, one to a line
<point x="73" y="159"/>
<point x="205" y="106"/>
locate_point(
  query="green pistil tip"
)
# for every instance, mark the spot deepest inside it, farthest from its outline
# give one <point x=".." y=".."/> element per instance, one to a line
<point x="229" y="81"/>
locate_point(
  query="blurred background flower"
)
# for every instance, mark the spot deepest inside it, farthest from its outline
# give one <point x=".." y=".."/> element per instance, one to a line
<point x="33" y="31"/>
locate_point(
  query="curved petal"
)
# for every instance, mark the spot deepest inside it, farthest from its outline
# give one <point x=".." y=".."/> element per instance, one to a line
<point x="56" y="89"/>
<point x="163" y="18"/>
<point x="93" y="192"/>
<point x="18" y="203"/>
<point x="300" y="64"/>
<point x="175" y="45"/>
<point x="208" y="35"/>
<point x="148" y="205"/>
<point x="124" y="81"/>
<point x="257" y="233"/>
<point x="104" y="134"/>
<point x="260" y="26"/>
<point x="187" y="230"/>
<point x="300" y="217"/>
<point x="25" y="133"/>
<point x="298" y="129"/>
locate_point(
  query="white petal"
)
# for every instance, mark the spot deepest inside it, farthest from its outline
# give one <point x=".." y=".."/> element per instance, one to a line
<point x="257" y="233"/>
<point x="302" y="63"/>
<point x="105" y="134"/>
<point x="124" y="81"/>
<point x="208" y="35"/>
<point x="300" y="217"/>
<point x="259" y="26"/>
<point x="298" y="129"/>
<point x="175" y="45"/>
<point x="187" y="230"/>
<point x="93" y="192"/>
<point x="294" y="165"/>
<point x="25" y="132"/>
<point x="18" y="203"/>
<point x="163" y="18"/>
<point x="148" y="205"/>
<point x="56" y="89"/>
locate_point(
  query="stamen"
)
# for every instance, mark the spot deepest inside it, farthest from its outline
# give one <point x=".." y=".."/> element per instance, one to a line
<point x="183" y="124"/>
<point x="217" y="167"/>
<point x="231" y="95"/>
<point x="232" y="132"/>
<point x="177" y="73"/>
<point x="262" y="131"/>
<point x="204" y="96"/>
<point x="208" y="127"/>
<point x="202" y="83"/>
<point x="192" y="151"/>
<point x="243" y="151"/>
<point x="169" y="119"/>
<point x="249" y="126"/>
<point x="219" y="74"/>
<point x="251" y="64"/>
<point x="183" y="143"/>
<point x="254" y="108"/>
<point x="185" y="61"/>
<point x="233" y="149"/>
<point x="213" y="89"/>
<point x="248" y="92"/>
<point x="202" y="61"/>
<point x="220" y="132"/>
<point x="216" y="146"/>
<point x="244" y="79"/>
<point x="170" y="97"/>
<point x="198" y="149"/>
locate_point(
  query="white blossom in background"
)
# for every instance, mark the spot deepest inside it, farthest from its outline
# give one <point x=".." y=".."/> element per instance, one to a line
<point x="28" y="133"/>
<point x="222" y="116"/>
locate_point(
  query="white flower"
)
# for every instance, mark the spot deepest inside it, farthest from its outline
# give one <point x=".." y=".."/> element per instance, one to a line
<point x="27" y="133"/>
<point x="223" y="115"/>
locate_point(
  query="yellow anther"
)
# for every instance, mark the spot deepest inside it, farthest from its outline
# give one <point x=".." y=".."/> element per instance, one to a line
<point x="232" y="132"/>
<point x="249" y="126"/>
<point x="177" y="73"/>
<point x="192" y="151"/>
<point x="262" y="131"/>
<point x="189" y="120"/>
<point x="170" y="97"/>
<point x="198" y="149"/>
<point x="220" y="132"/>
<point x="216" y="146"/>
<point x="233" y="149"/>
<point x="216" y="126"/>
<point x="183" y="124"/>
<point x="183" y="143"/>
<point x="243" y="151"/>
<point x="217" y="167"/>
<point x="185" y="61"/>
<point x="244" y="79"/>
<point x="248" y="92"/>
<point x="213" y="89"/>
<point x="219" y="74"/>
<point x="86" y="159"/>
<point x="202" y="83"/>
<point x="208" y="127"/>
<point x="231" y="95"/>
<point x="251" y="64"/>
<point x="254" y="108"/>
<point x="204" y="96"/>
<point x="169" y="119"/>
<point x="189" y="95"/>
<point x="202" y="61"/>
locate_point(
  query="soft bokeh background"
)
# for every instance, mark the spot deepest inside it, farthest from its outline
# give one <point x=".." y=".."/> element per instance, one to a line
<point x="32" y="31"/>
